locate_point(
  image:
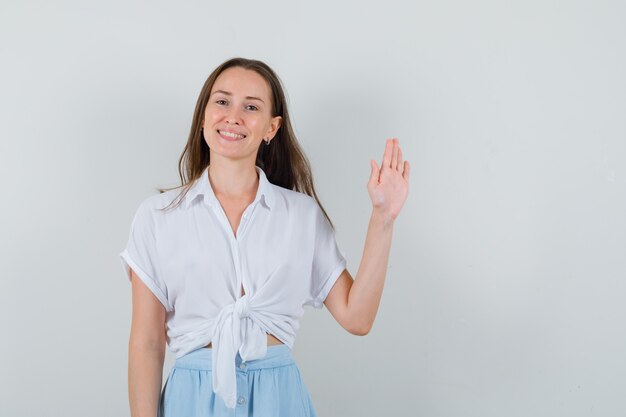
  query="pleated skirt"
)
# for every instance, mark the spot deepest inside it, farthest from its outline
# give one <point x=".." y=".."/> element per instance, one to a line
<point x="267" y="387"/>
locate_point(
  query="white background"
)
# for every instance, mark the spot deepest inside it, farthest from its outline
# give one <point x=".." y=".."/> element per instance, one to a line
<point x="506" y="282"/>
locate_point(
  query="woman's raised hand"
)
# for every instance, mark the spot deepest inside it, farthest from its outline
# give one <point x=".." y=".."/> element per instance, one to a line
<point x="388" y="185"/>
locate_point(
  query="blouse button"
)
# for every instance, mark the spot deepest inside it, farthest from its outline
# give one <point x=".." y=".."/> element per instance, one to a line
<point x="242" y="366"/>
<point x="241" y="400"/>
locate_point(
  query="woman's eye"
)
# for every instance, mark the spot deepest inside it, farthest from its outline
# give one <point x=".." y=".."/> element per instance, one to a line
<point x="253" y="107"/>
<point x="220" y="101"/>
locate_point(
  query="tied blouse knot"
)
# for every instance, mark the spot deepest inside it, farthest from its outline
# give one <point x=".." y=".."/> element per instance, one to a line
<point x="283" y="255"/>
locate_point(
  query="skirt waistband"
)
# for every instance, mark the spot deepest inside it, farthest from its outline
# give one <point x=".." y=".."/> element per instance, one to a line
<point x="277" y="355"/>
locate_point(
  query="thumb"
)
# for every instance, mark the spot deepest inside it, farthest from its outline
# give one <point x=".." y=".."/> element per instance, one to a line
<point x="374" y="172"/>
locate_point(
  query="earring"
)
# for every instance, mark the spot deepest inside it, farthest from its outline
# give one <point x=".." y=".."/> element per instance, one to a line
<point x="267" y="141"/>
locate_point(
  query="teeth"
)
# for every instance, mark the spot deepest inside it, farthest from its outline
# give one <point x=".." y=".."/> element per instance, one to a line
<point x="231" y="135"/>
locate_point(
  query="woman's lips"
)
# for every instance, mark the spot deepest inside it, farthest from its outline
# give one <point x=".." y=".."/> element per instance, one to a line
<point x="230" y="138"/>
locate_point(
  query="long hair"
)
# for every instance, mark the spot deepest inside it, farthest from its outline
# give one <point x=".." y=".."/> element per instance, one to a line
<point x="284" y="162"/>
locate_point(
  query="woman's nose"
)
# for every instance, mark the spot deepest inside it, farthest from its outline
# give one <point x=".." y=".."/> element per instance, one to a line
<point x="233" y="115"/>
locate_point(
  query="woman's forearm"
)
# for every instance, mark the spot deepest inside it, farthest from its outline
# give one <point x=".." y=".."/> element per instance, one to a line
<point x="145" y="376"/>
<point x="365" y="294"/>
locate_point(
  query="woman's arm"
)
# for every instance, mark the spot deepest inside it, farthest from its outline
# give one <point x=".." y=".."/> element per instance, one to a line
<point x="354" y="302"/>
<point x="146" y="351"/>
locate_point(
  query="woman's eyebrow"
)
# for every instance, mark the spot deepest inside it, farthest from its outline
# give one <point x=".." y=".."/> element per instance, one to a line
<point x="230" y="94"/>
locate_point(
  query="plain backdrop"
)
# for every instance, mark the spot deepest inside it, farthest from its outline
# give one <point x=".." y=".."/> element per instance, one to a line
<point x="505" y="292"/>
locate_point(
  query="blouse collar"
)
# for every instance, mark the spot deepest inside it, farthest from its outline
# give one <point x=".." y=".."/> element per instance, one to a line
<point x="202" y="187"/>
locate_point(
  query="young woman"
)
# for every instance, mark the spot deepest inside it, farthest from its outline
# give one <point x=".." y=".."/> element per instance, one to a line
<point x="226" y="262"/>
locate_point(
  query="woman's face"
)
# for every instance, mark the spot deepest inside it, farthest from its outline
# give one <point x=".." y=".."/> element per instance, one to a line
<point x="238" y="114"/>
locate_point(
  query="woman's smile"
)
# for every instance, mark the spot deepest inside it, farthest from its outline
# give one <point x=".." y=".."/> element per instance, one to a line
<point x="231" y="137"/>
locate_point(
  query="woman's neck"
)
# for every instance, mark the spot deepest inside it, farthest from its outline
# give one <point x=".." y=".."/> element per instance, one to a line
<point x="233" y="181"/>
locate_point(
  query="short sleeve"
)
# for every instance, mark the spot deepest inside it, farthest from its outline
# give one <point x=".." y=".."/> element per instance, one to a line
<point x="328" y="260"/>
<point x="141" y="255"/>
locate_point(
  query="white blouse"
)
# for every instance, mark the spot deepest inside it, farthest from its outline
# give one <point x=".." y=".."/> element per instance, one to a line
<point x="284" y="254"/>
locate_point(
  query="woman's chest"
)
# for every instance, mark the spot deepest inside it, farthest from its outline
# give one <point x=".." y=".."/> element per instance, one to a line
<point x="203" y="254"/>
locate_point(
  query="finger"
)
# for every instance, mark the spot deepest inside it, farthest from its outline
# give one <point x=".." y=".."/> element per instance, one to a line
<point x="400" y="164"/>
<point x="387" y="155"/>
<point x="394" y="155"/>
<point x="407" y="171"/>
<point x="374" y="173"/>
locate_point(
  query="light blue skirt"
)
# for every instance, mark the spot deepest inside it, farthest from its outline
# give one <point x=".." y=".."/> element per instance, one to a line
<point x="267" y="387"/>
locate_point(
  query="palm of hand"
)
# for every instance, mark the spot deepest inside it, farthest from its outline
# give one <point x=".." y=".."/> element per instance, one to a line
<point x="388" y="185"/>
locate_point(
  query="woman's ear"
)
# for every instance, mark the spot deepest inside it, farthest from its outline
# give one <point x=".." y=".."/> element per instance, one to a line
<point x="274" y="126"/>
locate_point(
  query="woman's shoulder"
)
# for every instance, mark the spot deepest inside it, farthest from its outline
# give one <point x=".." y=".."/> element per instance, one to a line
<point x="295" y="199"/>
<point x="155" y="203"/>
